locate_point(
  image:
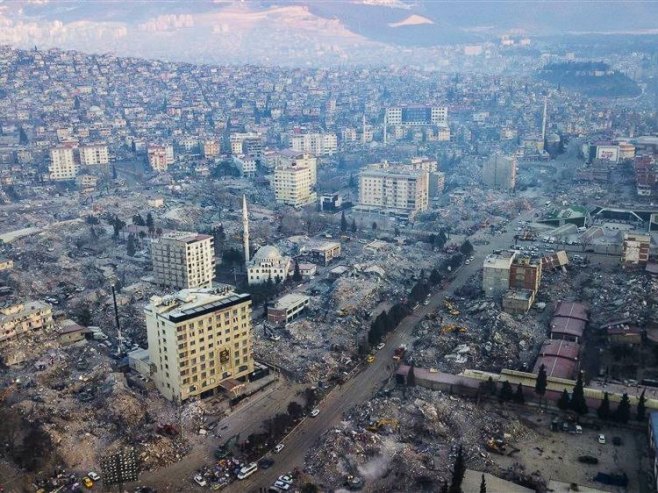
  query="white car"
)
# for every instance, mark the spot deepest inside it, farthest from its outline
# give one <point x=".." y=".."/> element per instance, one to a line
<point x="315" y="412"/>
<point x="286" y="479"/>
<point x="467" y="262"/>
<point x="94" y="476"/>
<point x="279" y="448"/>
<point x="380" y="346"/>
<point x="602" y="439"/>
<point x="198" y="479"/>
<point x="282" y="486"/>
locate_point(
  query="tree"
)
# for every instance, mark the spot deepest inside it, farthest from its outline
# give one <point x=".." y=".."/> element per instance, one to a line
<point x="374" y="226"/>
<point x="435" y="277"/>
<point x="623" y="411"/>
<point x="295" y="409"/>
<point x="466" y="248"/>
<point x="22" y="137"/>
<point x="411" y="377"/>
<point x="540" y="384"/>
<point x="297" y="274"/>
<point x="353" y="226"/>
<point x="458" y="472"/>
<point x="138" y="220"/>
<point x="506" y="392"/>
<point x="483" y="485"/>
<point x="310" y="398"/>
<point x="132" y="245"/>
<point x="150" y="223"/>
<point x="564" y="401"/>
<point x="118" y="225"/>
<point x="396" y="231"/>
<point x="83" y="316"/>
<point x="603" y="412"/>
<point x="491" y="386"/>
<point x="309" y="488"/>
<point x="343" y="223"/>
<point x="518" y="395"/>
<point x="114" y="172"/>
<point x="444" y="487"/>
<point x="641" y="408"/>
<point x="578" y="402"/>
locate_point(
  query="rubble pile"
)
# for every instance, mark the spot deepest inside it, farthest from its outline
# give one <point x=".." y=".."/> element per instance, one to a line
<point x="618" y="296"/>
<point x="412" y="435"/>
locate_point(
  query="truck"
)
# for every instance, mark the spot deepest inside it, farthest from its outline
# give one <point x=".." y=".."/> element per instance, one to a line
<point x="398" y="354"/>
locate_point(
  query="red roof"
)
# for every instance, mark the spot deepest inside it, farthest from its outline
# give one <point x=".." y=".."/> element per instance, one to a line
<point x="556" y="366"/>
<point x="571" y="310"/>
<point x="569" y="326"/>
<point x="560" y="349"/>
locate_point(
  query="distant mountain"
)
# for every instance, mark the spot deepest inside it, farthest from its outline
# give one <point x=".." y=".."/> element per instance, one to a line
<point x="592" y="78"/>
<point x="299" y="31"/>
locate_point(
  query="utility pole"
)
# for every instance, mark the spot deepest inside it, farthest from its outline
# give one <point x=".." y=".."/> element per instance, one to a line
<point x="116" y="319"/>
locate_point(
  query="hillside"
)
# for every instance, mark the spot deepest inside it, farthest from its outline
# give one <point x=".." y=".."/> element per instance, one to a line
<point x="595" y="79"/>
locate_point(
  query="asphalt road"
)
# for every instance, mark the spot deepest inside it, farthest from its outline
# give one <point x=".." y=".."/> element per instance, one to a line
<point x="364" y="384"/>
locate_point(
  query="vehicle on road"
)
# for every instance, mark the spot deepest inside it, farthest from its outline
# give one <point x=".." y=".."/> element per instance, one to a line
<point x="87" y="482"/>
<point x="279" y="448"/>
<point x="198" y="479"/>
<point x="380" y="346"/>
<point x="602" y="439"/>
<point x="94" y="476"/>
<point x="370" y="358"/>
<point x="315" y="412"/>
<point x="399" y="353"/>
<point x="265" y="463"/>
<point x="282" y="486"/>
<point x="247" y="470"/>
<point x="286" y="479"/>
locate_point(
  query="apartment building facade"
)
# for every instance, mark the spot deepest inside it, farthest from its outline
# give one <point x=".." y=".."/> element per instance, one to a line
<point x="294" y="185"/>
<point x="199" y="340"/>
<point x="183" y="260"/>
<point x="95" y="154"/>
<point x="24" y="318"/>
<point x="397" y="190"/>
<point x="63" y="165"/>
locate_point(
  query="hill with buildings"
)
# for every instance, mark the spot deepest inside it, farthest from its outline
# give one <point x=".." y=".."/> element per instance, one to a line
<point x="595" y="79"/>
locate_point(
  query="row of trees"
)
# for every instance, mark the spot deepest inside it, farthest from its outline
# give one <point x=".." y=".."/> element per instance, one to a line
<point x="385" y="322"/>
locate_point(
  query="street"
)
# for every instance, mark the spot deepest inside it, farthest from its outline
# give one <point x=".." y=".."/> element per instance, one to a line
<point x="363" y="385"/>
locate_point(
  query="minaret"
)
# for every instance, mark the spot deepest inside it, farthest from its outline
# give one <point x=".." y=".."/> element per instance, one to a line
<point x="245" y="229"/>
<point x="363" y="136"/>
<point x="543" y="121"/>
<point x="385" y="129"/>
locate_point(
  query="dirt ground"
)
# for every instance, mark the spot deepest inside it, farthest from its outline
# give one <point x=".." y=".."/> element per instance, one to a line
<point x="555" y="455"/>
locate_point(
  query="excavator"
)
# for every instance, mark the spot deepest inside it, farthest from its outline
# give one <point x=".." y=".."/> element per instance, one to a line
<point x="376" y="426"/>
<point x="450" y="308"/>
<point x="452" y="328"/>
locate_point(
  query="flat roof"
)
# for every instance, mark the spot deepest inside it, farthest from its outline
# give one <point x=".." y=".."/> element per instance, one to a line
<point x="290" y="300"/>
<point x="193" y="303"/>
<point x="501" y="260"/>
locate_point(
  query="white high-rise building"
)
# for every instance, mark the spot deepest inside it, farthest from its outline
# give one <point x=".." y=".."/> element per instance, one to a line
<point x="199" y="340"/>
<point x="94" y="154"/>
<point x="398" y="190"/>
<point x="294" y="185"/>
<point x="320" y="144"/>
<point x="183" y="260"/>
<point x="62" y="164"/>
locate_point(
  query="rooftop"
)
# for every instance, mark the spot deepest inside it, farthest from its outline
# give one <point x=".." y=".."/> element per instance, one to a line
<point x="290" y="300"/>
<point x="499" y="260"/>
<point x="192" y="303"/>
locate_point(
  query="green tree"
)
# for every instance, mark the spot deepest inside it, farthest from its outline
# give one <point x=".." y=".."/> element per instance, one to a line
<point x="411" y="377"/>
<point x="374" y="225"/>
<point x="623" y="411"/>
<point x="132" y="245"/>
<point x="297" y="275"/>
<point x="458" y="472"/>
<point x="578" y="402"/>
<point x="483" y="485"/>
<point x="22" y="137"/>
<point x="138" y="220"/>
<point x="603" y="412"/>
<point x="309" y="488"/>
<point x="343" y="222"/>
<point x="150" y="223"/>
<point x="114" y="172"/>
<point x="466" y="248"/>
<point x="641" y="408"/>
<point x="435" y="277"/>
<point x="519" y="398"/>
<point x="540" y="383"/>
<point x="491" y="387"/>
<point x="295" y="409"/>
<point x="564" y="401"/>
<point x="84" y="316"/>
<point x="396" y="232"/>
<point x="353" y="226"/>
<point x="444" y="487"/>
<point x="506" y="392"/>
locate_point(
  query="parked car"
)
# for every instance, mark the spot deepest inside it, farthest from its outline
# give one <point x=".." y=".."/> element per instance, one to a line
<point x="265" y="463"/>
<point x="380" y="346"/>
<point x="315" y="412"/>
<point x="94" y="476"/>
<point x="198" y="479"/>
<point x="279" y="448"/>
<point x="87" y="482"/>
<point x="602" y="439"/>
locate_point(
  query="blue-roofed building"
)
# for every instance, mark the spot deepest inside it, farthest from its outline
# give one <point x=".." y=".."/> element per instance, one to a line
<point x="653" y="444"/>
